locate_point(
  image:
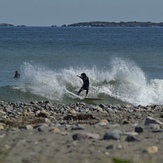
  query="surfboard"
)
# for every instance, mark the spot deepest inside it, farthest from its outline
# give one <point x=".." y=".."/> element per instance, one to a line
<point x="92" y="98"/>
<point x="83" y="98"/>
<point x="73" y="94"/>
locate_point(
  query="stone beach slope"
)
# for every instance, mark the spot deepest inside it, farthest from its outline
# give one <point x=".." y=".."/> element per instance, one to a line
<point x="48" y="132"/>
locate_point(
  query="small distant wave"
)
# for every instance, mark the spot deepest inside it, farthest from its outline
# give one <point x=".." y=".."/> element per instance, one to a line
<point x="123" y="82"/>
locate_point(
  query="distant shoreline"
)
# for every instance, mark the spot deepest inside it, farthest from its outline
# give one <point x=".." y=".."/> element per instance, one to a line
<point x="98" y="24"/>
<point x="116" y="24"/>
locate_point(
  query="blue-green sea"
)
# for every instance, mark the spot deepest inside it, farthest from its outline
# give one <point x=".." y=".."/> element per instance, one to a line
<point x="124" y="65"/>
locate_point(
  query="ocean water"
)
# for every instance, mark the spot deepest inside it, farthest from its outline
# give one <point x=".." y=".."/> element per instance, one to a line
<point x="124" y="65"/>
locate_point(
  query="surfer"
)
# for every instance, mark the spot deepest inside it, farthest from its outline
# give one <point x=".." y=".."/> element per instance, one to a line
<point x="17" y="75"/>
<point x="85" y="85"/>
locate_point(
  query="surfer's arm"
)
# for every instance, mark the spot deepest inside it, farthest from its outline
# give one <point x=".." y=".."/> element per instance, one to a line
<point x="79" y="76"/>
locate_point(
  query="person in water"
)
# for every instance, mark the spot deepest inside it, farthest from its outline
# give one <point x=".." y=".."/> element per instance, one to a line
<point x="17" y="75"/>
<point x="85" y="85"/>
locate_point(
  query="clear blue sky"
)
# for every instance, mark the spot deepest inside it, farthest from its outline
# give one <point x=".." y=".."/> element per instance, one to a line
<point x="59" y="12"/>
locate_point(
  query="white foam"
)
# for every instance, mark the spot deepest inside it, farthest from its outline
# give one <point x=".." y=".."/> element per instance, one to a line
<point x="124" y="80"/>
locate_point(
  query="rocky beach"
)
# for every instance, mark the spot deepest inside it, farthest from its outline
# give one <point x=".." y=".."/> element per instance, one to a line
<point x="80" y="133"/>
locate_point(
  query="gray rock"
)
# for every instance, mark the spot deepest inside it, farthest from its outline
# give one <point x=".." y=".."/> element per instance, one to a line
<point x="8" y="109"/>
<point x="2" y="112"/>
<point x="131" y="139"/>
<point x="111" y="146"/>
<point x="27" y="127"/>
<point x="139" y="129"/>
<point x="41" y="127"/>
<point x="130" y="133"/>
<point x="100" y="124"/>
<point x="73" y="111"/>
<point x="78" y="127"/>
<point x="157" y="131"/>
<point x="154" y="126"/>
<point x="125" y="121"/>
<point x="109" y="110"/>
<point x="114" y="135"/>
<point x="104" y="107"/>
<point x="112" y="125"/>
<point x="150" y="120"/>
<point x="42" y="114"/>
<point x="85" y="136"/>
<point x="98" y="109"/>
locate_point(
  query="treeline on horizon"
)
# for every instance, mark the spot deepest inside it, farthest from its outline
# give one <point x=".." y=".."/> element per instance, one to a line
<point x="117" y="24"/>
<point x="101" y="24"/>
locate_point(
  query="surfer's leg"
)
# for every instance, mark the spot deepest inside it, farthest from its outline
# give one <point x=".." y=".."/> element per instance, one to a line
<point x="81" y="89"/>
<point x="86" y="92"/>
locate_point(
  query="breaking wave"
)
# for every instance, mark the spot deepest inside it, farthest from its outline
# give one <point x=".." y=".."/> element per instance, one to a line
<point x="122" y="82"/>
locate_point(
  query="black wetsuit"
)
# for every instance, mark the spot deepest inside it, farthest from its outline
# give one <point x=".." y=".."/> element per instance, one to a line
<point x="85" y="85"/>
<point x="17" y="75"/>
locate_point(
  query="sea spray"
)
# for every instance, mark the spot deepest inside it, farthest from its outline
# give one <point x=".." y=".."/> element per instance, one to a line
<point x="132" y="85"/>
<point x="124" y="81"/>
<point x="41" y="81"/>
<point x="129" y="80"/>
